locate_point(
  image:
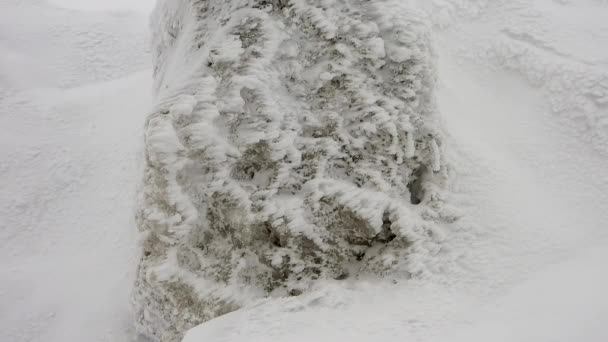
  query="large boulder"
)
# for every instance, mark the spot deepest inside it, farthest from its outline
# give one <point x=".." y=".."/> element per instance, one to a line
<point x="292" y="141"/>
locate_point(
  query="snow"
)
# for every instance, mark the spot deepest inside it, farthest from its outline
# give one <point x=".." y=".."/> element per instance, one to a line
<point x="97" y="5"/>
<point x="522" y="89"/>
<point x="74" y="91"/>
<point x="565" y="302"/>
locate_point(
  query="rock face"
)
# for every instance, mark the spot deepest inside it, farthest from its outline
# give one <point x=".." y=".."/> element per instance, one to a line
<point x="292" y="141"/>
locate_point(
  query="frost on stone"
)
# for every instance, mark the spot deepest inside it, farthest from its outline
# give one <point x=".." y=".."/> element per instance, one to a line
<point x="292" y="141"/>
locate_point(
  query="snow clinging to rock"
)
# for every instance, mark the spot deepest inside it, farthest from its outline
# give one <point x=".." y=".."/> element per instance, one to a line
<point x="292" y="141"/>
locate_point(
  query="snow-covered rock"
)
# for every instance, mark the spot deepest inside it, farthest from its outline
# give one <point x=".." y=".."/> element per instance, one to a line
<point x="293" y="141"/>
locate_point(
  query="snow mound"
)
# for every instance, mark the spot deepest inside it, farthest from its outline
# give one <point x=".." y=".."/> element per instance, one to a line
<point x="293" y="141"/>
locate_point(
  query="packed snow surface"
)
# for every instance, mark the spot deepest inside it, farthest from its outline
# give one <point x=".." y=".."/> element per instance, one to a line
<point x="97" y="5"/>
<point x="74" y="91"/>
<point x="523" y="96"/>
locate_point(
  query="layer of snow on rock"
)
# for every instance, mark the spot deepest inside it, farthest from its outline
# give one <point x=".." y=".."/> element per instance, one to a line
<point x="293" y="141"/>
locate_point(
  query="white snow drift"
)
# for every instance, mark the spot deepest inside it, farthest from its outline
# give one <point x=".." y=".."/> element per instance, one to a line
<point x="74" y="91"/>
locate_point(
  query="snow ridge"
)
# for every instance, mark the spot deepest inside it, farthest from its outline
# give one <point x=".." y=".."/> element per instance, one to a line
<point x="293" y="141"/>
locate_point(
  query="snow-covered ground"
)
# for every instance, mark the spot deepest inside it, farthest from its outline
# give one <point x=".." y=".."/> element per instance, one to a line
<point x="74" y="91"/>
<point x="523" y="93"/>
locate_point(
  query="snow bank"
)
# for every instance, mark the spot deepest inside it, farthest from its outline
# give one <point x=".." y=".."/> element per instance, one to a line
<point x="69" y="160"/>
<point x="566" y="302"/>
<point x="293" y="141"/>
